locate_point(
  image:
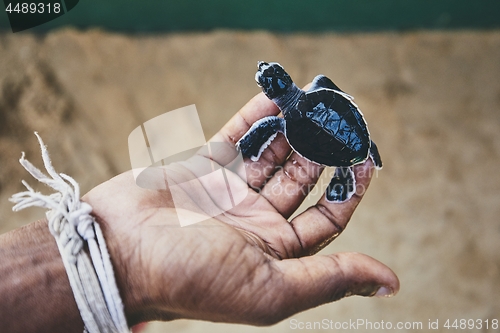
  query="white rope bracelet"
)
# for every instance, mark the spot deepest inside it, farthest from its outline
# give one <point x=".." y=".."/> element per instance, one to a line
<point x="71" y="224"/>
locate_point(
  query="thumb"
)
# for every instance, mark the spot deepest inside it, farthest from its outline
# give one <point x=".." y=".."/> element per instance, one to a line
<point x="311" y="281"/>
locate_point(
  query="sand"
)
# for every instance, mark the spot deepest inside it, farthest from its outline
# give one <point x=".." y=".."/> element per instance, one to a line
<point x="432" y="101"/>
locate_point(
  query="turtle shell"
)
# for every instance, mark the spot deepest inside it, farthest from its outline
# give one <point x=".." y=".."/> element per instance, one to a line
<point x="327" y="127"/>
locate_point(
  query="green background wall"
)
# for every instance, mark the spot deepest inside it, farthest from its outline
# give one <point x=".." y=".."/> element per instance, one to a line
<point x="277" y="15"/>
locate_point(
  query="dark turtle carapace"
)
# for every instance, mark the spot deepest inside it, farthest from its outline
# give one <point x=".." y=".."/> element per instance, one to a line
<point x="323" y="124"/>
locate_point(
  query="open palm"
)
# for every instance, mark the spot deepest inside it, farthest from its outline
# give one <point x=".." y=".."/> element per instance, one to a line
<point x="246" y="265"/>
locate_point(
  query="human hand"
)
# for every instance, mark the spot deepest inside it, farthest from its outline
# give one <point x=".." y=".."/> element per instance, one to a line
<point x="248" y="265"/>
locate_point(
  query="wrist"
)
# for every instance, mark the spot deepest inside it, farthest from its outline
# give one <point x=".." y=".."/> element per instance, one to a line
<point x="138" y="253"/>
<point x="35" y="284"/>
<point x="32" y="274"/>
<point x="124" y="274"/>
<point x="141" y="301"/>
<point x="138" y="248"/>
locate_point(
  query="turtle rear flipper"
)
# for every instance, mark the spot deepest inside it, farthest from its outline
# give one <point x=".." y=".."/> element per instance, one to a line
<point x="259" y="136"/>
<point x="375" y="156"/>
<point x="342" y="186"/>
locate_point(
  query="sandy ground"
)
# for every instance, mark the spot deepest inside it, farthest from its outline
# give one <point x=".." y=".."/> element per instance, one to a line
<point x="432" y="101"/>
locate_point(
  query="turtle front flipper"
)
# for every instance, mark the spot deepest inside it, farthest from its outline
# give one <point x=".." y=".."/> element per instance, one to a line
<point x="375" y="156"/>
<point x="342" y="186"/>
<point x="259" y="136"/>
<point x="321" y="81"/>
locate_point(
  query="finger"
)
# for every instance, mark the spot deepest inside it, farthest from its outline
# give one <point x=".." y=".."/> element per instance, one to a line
<point x="295" y="285"/>
<point x="322" y="223"/>
<point x="258" y="172"/>
<point x="311" y="281"/>
<point x="257" y="108"/>
<point x="290" y="184"/>
<point x="275" y="154"/>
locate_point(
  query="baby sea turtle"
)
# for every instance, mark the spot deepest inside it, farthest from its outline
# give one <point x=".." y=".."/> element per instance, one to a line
<point x="323" y="124"/>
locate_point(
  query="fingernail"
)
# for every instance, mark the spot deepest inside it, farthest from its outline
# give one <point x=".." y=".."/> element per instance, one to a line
<point x="383" y="292"/>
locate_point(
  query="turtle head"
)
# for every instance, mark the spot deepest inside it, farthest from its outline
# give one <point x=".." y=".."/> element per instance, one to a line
<point x="273" y="79"/>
